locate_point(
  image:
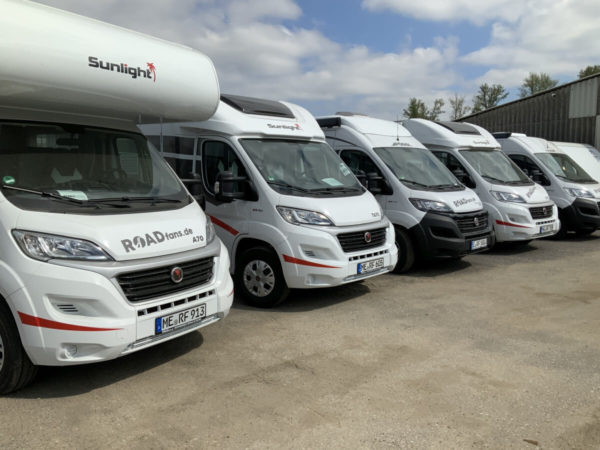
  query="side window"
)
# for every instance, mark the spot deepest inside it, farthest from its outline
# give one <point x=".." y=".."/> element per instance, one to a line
<point x="456" y="167"/>
<point x="530" y="168"/>
<point x="358" y="161"/>
<point x="219" y="157"/>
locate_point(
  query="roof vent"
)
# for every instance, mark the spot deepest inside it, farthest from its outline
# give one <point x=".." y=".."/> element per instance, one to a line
<point x="460" y="128"/>
<point x="502" y="134"/>
<point x="348" y="113"/>
<point x="258" y="106"/>
<point x="329" y="122"/>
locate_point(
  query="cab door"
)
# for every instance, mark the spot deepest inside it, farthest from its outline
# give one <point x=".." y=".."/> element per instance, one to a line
<point x="229" y="217"/>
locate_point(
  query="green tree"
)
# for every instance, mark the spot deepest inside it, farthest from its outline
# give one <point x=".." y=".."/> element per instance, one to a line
<point x="535" y="82"/>
<point x="417" y="109"/>
<point x="488" y="96"/>
<point x="458" y="108"/>
<point x="589" y="70"/>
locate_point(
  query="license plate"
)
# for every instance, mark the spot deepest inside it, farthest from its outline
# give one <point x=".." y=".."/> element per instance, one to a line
<point x="369" y="266"/>
<point x="546" y="228"/>
<point x="479" y="243"/>
<point x="179" y="319"/>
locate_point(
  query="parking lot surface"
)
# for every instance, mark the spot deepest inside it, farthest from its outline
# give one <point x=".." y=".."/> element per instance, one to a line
<point x="498" y="350"/>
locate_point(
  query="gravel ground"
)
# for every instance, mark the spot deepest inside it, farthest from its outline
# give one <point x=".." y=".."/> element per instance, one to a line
<point x="498" y="350"/>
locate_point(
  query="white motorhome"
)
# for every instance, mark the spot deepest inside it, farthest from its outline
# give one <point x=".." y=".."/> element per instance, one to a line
<point x="288" y="209"/>
<point x="576" y="193"/>
<point x="103" y="251"/>
<point x="587" y="156"/>
<point x="519" y="209"/>
<point x="435" y="216"/>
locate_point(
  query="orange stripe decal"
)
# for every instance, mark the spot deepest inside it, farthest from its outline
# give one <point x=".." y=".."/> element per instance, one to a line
<point x="303" y="262"/>
<point x="223" y="225"/>
<point x="45" y="323"/>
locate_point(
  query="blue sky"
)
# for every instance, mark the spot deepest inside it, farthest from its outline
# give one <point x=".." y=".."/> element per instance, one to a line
<point x="368" y="56"/>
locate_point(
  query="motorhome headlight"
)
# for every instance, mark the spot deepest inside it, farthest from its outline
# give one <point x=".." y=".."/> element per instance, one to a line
<point x="210" y="231"/>
<point x="578" y="192"/>
<point x="507" y="197"/>
<point x="303" y="217"/>
<point x="430" y="205"/>
<point x="48" y="246"/>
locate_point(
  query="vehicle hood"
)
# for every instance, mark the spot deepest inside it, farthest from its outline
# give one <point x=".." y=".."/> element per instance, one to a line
<point x="531" y="194"/>
<point x="126" y="236"/>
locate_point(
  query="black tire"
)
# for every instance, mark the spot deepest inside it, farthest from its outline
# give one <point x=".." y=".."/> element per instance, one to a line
<point x="406" y="251"/>
<point x="16" y="369"/>
<point x="268" y="291"/>
<point x="584" y="232"/>
<point x="522" y="243"/>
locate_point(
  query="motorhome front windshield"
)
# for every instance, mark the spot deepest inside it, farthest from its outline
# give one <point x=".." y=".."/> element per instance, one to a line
<point x="84" y="170"/>
<point x="302" y="168"/>
<point x="418" y="169"/>
<point x="564" y="167"/>
<point x="495" y="167"/>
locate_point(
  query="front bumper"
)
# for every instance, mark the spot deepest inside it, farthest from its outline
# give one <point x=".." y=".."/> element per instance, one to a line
<point x="441" y="236"/>
<point x="71" y="315"/>
<point x="313" y="258"/>
<point x="582" y="214"/>
<point x="514" y="222"/>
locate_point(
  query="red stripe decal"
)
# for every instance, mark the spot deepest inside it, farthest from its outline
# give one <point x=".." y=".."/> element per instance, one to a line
<point x="508" y="224"/>
<point x="303" y="262"/>
<point x="223" y="225"/>
<point x="45" y="323"/>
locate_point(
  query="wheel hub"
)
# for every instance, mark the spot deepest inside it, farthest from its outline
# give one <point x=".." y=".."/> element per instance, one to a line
<point x="259" y="278"/>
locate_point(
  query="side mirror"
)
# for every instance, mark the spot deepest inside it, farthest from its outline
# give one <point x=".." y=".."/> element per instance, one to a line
<point x="374" y="183"/>
<point x="194" y="186"/>
<point x="226" y="185"/>
<point x="361" y="176"/>
<point x="538" y="176"/>
<point x="463" y="177"/>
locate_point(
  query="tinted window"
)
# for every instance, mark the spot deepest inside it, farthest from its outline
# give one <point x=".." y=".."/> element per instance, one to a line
<point x="220" y="157"/>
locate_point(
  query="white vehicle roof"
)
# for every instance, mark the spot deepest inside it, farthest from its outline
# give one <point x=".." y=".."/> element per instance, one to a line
<point x="380" y="133"/>
<point x="529" y="143"/>
<point x="247" y="116"/>
<point x="585" y="155"/>
<point x="450" y="134"/>
<point x="75" y="69"/>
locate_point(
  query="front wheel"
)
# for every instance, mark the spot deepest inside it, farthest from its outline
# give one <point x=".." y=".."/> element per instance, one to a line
<point x="259" y="278"/>
<point x="16" y="369"/>
<point x="406" y="251"/>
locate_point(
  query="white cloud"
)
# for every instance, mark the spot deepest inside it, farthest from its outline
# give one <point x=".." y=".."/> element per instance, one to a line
<point x="559" y="39"/>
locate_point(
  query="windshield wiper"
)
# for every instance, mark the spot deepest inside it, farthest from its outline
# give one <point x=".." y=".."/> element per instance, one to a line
<point x="287" y="185"/>
<point x="333" y="189"/>
<point x="416" y="183"/>
<point x="51" y="195"/>
<point x="126" y="199"/>
<point x="445" y="186"/>
<point x="488" y="177"/>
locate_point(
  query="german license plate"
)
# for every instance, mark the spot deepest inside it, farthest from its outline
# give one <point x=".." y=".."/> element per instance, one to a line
<point x="546" y="228"/>
<point x="369" y="266"/>
<point x="179" y="319"/>
<point x="479" y="243"/>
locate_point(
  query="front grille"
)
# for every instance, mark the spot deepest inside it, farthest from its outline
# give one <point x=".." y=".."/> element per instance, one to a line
<point x="472" y="223"/>
<point x="356" y="241"/>
<point x="157" y="282"/>
<point x="540" y="212"/>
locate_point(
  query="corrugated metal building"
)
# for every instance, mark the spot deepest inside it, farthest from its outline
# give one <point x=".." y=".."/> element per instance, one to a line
<point x="569" y="112"/>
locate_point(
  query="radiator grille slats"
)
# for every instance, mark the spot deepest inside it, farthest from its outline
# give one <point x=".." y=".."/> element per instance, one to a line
<point x="472" y="223"/>
<point x="357" y="240"/>
<point x="156" y="282"/>
<point x="540" y="212"/>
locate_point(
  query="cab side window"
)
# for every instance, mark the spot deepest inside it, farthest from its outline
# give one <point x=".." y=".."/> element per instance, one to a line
<point x="358" y="162"/>
<point x="218" y="157"/>
<point x="456" y="167"/>
<point x="530" y="168"/>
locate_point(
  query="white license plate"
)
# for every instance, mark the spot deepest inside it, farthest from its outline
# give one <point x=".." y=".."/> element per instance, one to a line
<point x="369" y="266"/>
<point x="479" y="243"/>
<point x="179" y="319"/>
<point x="546" y="228"/>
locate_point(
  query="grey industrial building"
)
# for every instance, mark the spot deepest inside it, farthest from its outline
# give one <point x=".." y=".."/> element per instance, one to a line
<point x="569" y="112"/>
